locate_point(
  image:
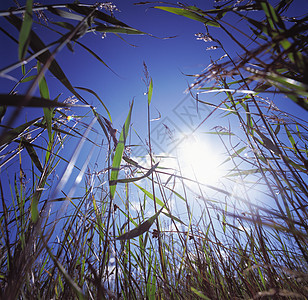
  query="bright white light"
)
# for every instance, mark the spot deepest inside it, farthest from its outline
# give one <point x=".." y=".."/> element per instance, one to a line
<point x="199" y="160"/>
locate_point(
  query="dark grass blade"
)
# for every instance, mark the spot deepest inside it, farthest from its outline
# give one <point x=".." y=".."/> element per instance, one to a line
<point x="16" y="100"/>
<point x="10" y="135"/>
<point x="66" y="275"/>
<point x="96" y="56"/>
<point x="140" y="229"/>
<point x="2" y="111"/>
<point x="98" y="14"/>
<point x="32" y="154"/>
<point x="126" y="180"/>
<point x="65" y="14"/>
<point x="97" y="97"/>
<point x="125" y="30"/>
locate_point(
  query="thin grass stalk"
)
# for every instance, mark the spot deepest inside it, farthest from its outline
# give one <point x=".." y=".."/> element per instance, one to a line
<point x="106" y="238"/>
<point x="160" y="248"/>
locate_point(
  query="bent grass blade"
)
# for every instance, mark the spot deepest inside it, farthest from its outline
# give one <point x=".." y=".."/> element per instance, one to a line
<point x="140" y="229"/>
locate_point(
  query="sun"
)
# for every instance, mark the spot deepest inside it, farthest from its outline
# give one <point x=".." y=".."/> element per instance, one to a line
<point x="198" y="159"/>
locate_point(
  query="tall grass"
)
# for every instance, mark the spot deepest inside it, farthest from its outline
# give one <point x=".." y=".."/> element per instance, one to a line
<point x="58" y="245"/>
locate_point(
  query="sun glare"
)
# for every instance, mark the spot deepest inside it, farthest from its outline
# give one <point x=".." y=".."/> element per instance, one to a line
<point x="199" y="160"/>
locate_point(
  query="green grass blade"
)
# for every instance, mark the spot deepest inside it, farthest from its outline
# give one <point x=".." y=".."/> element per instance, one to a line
<point x="199" y="293"/>
<point x="188" y="14"/>
<point x="48" y="113"/>
<point x="98" y="219"/>
<point x="119" y="153"/>
<point x="24" y="35"/>
<point x="159" y="202"/>
<point x="150" y="91"/>
<point x="235" y="154"/>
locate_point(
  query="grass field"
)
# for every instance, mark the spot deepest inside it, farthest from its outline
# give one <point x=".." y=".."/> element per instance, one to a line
<point x="85" y="245"/>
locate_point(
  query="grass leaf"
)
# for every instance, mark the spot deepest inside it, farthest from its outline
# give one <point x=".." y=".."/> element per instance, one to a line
<point x="199" y="294"/>
<point x="24" y="35"/>
<point x="99" y="99"/>
<point x="150" y="91"/>
<point x="32" y="154"/>
<point x="17" y="100"/>
<point x="67" y="276"/>
<point x="10" y="135"/>
<point x="48" y="113"/>
<point x="126" y="180"/>
<point x="119" y="153"/>
<point x="188" y="14"/>
<point x="98" y="14"/>
<point x="140" y="229"/>
<point x="159" y="202"/>
<point x="65" y="14"/>
<point x="125" y="30"/>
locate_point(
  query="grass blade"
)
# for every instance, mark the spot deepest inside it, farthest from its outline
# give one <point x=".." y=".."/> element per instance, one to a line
<point x="147" y="174"/>
<point x="10" y="135"/>
<point x="16" y="100"/>
<point x="98" y="14"/>
<point x="140" y="229"/>
<point x="99" y="99"/>
<point x="118" y="154"/>
<point x="188" y="14"/>
<point x="48" y="113"/>
<point x="199" y="294"/>
<point x="125" y="30"/>
<point x="24" y="35"/>
<point x="150" y="92"/>
<point x="32" y="154"/>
